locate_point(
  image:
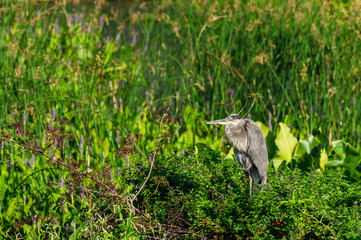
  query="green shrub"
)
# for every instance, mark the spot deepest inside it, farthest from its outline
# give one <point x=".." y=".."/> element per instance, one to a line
<point x="208" y="196"/>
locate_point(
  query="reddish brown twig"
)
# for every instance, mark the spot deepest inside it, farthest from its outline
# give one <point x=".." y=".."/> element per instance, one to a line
<point x="154" y="154"/>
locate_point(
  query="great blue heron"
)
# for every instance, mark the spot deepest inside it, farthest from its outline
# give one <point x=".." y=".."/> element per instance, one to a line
<point x="250" y="146"/>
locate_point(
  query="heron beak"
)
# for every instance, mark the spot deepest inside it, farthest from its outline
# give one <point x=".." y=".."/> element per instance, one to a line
<point x="220" y="121"/>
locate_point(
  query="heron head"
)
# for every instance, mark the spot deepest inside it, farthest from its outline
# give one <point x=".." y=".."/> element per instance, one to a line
<point x="231" y="119"/>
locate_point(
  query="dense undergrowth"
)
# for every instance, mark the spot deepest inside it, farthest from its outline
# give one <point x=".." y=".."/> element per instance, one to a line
<point x="208" y="196"/>
<point x="79" y="137"/>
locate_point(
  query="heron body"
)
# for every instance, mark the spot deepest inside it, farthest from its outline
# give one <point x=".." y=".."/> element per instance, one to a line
<point x="250" y="146"/>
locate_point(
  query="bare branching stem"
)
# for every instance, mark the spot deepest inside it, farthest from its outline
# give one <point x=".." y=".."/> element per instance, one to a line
<point x="59" y="162"/>
<point x="154" y="154"/>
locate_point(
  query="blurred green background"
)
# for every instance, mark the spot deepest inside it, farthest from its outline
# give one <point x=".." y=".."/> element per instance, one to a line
<point x="96" y="64"/>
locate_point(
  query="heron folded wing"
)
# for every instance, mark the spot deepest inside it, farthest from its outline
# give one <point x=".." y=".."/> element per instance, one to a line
<point x="257" y="147"/>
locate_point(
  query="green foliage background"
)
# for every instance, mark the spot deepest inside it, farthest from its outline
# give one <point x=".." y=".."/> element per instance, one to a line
<point x="97" y="64"/>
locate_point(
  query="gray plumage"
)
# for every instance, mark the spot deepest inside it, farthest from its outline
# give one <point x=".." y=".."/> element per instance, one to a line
<point x="250" y="146"/>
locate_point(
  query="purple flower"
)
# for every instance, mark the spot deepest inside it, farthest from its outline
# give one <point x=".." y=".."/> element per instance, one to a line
<point x="183" y="153"/>
<point x="134" y="39"/>
<point x="71" y="19"/>
<point x="67" y="229"/>
<point x="117" y="137"/>
<point x="53" y="113"/>
<point x="84" y="27"/>
<point x="231" y="92"/>
<point x="269" y="121"/>
<point x="147" y="96"/>
<point x="74" y="224"/>
<point x="60" y="50"/>
<point x="126" y="159"/>
<point x="117" y="38"/>
<point x="57" y="27"/>
<point x="32" y="160"/>
<point x="313" y="175"/>
<point x="63" y="205"/>
<point x="101" y="21"/>
<point x="79" y="18"/>
<point x="61" y="182"/>
<point x="118" y="171"/>
<point x="24" y="118"/>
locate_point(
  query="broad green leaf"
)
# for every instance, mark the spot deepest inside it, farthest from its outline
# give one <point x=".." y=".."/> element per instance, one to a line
<point x="323" y="159"/>
<point x="334" y="163"/>
<point x="338" y="150"/>
<point x="285" y="142"/>
<point x="305" y="145"/>
<point x="339" y="147"/>
<point x="264" y="128"/>
<point x="351" y="162"/>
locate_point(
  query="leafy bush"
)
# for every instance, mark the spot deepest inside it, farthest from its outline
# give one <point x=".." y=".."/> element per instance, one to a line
<point x="205" y="195"/>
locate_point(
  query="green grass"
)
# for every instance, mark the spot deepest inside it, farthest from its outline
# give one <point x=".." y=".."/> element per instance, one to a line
<point x="96" y="65"/>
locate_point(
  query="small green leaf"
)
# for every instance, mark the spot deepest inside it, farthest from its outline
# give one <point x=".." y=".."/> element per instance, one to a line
<point x="230" y="153"/>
